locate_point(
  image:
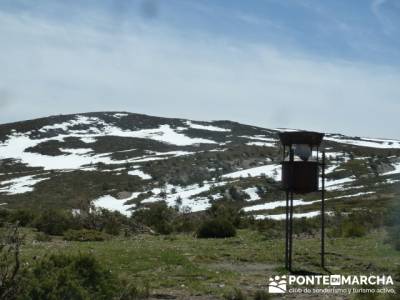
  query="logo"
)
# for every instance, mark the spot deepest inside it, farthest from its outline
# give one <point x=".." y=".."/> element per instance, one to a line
<point x="329" y="284"/>
<point x="277" y="285"/>
<point x="335" y="280"/>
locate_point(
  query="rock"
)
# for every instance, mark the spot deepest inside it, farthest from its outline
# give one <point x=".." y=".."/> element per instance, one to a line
<point x="384" y="167"/>
<point x="123" y="195"/>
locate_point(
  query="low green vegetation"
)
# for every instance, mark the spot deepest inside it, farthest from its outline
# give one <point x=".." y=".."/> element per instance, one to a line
<point x="159" y="250"/>
<point x="216" y="228"/>
<point x="85" y="235"/>
<point x="79" y="276"/>
<point x="185" y="265"/>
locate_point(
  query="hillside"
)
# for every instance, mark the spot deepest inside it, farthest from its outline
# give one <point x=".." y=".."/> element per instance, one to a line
<point x="125" y="161"/>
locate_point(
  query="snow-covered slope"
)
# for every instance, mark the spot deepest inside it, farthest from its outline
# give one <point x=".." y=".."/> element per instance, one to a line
<point x="113" y="158"/>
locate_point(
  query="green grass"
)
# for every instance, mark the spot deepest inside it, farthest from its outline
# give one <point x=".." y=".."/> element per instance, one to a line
<point x="184" y="264"/>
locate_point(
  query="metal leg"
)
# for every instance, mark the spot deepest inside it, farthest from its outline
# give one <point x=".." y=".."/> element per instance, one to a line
<point x="323" y="213"/>
<point x="291" y="232"/>
<point x="287" y="232"/>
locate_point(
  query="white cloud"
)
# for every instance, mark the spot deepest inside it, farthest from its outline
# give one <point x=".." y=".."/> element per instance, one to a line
<point x="52" y="68"/>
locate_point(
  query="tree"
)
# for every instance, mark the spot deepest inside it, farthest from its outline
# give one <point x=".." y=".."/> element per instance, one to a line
<point x="178" y="203"/>
<point x="55" y="222"/>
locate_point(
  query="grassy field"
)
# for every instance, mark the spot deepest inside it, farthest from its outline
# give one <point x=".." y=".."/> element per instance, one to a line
<point x="184" y="266"/>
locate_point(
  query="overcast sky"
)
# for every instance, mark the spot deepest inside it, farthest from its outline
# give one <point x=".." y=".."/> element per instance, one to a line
<point x="331" y="66"/>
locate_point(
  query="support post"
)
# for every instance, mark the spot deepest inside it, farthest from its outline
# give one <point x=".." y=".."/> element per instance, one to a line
<point x="287" y="232"/>
<point x="291" y="232"/>
<point x="323" y="213"/>
<point x="290" y="242"/>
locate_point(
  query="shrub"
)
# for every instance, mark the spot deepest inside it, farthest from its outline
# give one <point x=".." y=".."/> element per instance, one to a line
<point x="42" y="237"/>
<point x="158" y="216"/>
<point x="68" y="277"/>
<point x="227" y="211"/>
<point x="24" y="217"/>
<point x="271" y="229"/>
<point x="186" y="223"/>
<point x="113" y="222"/>
<point x="396" y="245"/>
<point x="84" y="235"/>
<point x="353" y="230"/>
<point x="129" y="291"/>
<point x="394" y="223"/>
<point x="236" y="294"/>
<point x="216" y="228"/>
<point x="54" y="222"/>
<point x="356" y="224"/>
<point x="261" y="295"/>
<point x="393" y="217"/>
<point x="10" y="264"/>
<point x="394" y="237"/>
<point x="4" y="216"/>
<point x="306" y="225"/>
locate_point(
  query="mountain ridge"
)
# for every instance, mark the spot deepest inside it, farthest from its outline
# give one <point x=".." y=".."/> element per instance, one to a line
<point x="188" y="164"/>
<point x="218" y="121"/>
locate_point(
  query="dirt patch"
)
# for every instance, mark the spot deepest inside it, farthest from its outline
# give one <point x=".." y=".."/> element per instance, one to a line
<point x="243" y="268"/>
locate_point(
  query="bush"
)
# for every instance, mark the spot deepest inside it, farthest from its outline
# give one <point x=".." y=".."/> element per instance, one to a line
<point x="10" y="264"/>
<point x="54" y="222"/>
<point x="306" y="226"/>
<point x="42" y="237"/>
<point x="24" y="217"/>
<point x="74" y="277"/>
<point x="158" y="216"/>
<point x="227" y="211"/>
<point x="353" y="230"/>
<point x="113" y="222"/>
<point x="236" y="294"/>
<point x="356" y="224"/>
<point x="394" y="237"/>
<point x="84" y="235"/>
<point x="186" y="223"/>
<point x="129" y="291"/>
<point x="4" y="217"/>
<point x="394" y="223"/>
<point x="68" y="277"/>
<point x="216" y="228"/>
<point x="261" y="295"/>
<point x="396" y="245"/>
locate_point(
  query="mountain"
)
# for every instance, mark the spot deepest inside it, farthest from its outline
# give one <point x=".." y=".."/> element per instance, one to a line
<point x="125" y="161"/>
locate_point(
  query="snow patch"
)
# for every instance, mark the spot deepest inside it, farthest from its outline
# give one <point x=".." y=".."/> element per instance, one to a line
<point x="76" y="151"/>
<point x="164" y="134"/>
<point x="20" y="185"/>
<point x="183" y="196"/>
<point x="337" y="184"/>
<point x="113" y="204"/>
<point x="206" y="127"/>
<point x="261" y="144"/>
<point x="365" y="142"/>
<point x="352" y="196"/>
<point x="252" y="192"/>
<point x="395" y="171"/>
<point x="279" y="217"/>
<point x="140" y="173"/>
<point x="260" y="138"/>
<point x="88" y="140"/>
<point x="273" y="171"/>
<point x="275" y="204"/>
<point x="120" y="115"/>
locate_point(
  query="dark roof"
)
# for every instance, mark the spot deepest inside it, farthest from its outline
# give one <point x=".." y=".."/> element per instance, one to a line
<point x="301" y="137"/>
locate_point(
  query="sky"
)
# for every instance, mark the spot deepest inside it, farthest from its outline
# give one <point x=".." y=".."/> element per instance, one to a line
<point x="328" y="65"/>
